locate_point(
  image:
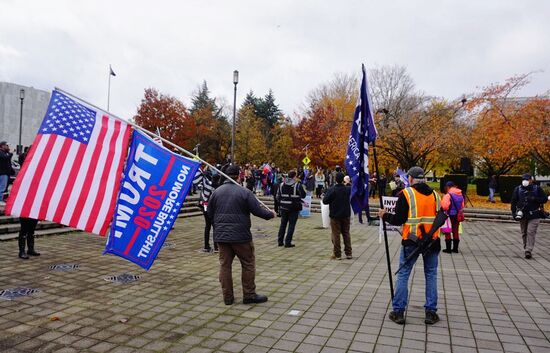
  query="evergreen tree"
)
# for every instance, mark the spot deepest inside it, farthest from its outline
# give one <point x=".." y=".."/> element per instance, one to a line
<point x="251" y="100"/>
<point x="210" y="125"/>
<point x="201" y="100"/>
<point x="267" y="109"/>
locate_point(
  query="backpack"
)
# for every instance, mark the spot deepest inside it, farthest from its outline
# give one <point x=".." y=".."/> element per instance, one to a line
<point x="460" y="211"/>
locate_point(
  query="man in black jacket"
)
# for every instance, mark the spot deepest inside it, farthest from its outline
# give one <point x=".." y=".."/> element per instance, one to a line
<point x="289" y="196"/>
<point x="527" y="200"/>
<point x="337" y="197"/>
<point x="229" y="209"/>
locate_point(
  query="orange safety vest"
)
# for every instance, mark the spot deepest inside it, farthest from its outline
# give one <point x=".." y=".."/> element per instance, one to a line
<point x="422" y="211"/>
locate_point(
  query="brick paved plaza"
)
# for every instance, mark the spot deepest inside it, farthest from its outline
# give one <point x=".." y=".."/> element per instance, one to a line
<point x="490" y="298"/>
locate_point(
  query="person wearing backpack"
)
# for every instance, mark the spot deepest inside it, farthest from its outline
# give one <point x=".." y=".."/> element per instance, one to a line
<point x="289" y="195"/>
<point x="453" y="204"/>
<point x="526" y="204"/>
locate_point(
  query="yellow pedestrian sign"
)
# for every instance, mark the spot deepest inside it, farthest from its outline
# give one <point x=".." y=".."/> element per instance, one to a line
<point x="306" y="160"/>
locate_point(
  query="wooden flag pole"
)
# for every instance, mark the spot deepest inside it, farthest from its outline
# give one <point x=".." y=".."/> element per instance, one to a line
<point x="153" y="135"/>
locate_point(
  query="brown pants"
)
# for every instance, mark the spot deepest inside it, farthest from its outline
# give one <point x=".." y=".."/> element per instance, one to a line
<point x="340" y="226"/>
<point x="245" y="253"/>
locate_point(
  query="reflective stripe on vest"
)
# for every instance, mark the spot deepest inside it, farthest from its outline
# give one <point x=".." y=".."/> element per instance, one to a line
<point x="289" y="197"/>
<point x="419" y="213"/>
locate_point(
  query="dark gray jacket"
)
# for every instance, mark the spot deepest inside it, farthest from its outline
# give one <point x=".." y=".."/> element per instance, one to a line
<point x="529" y="200"/>
<point x="229" y="209"/>
<point x="337" y="197"/>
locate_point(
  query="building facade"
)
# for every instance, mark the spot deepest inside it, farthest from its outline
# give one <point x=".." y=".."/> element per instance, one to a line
<point x="35" y="104"/>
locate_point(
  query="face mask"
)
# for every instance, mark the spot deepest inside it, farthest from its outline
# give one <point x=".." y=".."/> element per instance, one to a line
<point x="525" y="183"/>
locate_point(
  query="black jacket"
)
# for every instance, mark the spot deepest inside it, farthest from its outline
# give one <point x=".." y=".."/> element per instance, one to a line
<point x="5" y="163"/>
<point x="229" y="209"/>
<point x="528" y="200"/>
<point x="337" y="197"/>
<point x="288" y="199"/>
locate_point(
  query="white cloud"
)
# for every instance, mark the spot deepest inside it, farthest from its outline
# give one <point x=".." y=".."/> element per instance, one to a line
<point x="449" y="47"/>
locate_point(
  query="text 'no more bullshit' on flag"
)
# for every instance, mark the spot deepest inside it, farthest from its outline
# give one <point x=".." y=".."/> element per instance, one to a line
<point x="152" y="192"/>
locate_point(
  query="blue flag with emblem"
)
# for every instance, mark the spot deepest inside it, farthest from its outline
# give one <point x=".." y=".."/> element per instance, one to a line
<point x="363" y="132"/>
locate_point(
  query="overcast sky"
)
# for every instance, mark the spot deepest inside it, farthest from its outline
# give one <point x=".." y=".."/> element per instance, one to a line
<point x="291" y="46"/>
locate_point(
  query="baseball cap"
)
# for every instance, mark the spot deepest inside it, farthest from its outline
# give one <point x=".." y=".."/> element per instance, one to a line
<point x="416" y="173"/>
<point x="3" y="143"/>
<point x="525" y="176"/>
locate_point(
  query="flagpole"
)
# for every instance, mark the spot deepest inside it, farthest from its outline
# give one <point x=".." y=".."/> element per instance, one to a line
<point x="108" y="89"/>
<point x="152" y="135"/>
<point x="383" y="222"/>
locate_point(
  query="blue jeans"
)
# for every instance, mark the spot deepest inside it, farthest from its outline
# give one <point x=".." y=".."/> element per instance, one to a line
<point x="290" y="218"/>
<point x="3" y="184"/>
<point x="491" y="194"/>
<point x="430" y="273"/>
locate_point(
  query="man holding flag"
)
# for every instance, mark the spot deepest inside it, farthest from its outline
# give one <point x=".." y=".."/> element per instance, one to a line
<point x="417" y="209"/>
<point x="364" y="132"/>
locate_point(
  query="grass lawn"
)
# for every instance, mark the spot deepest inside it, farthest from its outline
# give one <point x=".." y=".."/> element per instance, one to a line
<point x="476" y="200"/>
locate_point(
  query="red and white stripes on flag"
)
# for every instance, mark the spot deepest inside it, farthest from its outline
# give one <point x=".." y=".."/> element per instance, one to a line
<point x="72" y="173"/>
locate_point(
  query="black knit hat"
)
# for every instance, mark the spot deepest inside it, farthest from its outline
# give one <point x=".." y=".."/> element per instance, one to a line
<point x="233" y="170"/>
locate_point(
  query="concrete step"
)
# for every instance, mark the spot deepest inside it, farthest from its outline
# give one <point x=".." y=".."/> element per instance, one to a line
<point x="15" y="226"/>
<point x="39" y="233"/>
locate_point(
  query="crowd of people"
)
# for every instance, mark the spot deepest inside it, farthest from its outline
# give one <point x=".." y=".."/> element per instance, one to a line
<point x="420" y="210"/>
<point x="228" y="196"/>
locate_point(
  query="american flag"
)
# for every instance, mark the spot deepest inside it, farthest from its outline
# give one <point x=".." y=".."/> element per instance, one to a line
<point x="71" y="175"/>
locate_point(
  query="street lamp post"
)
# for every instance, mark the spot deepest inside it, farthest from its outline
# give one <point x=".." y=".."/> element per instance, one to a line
<point x="235" y="81"/>
<point x="22" y="98"/>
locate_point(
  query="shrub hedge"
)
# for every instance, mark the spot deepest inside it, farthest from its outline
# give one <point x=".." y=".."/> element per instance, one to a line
<point x="482" y="186"/>
<point x="461" y="181"/>
<point x="506" y="186"/>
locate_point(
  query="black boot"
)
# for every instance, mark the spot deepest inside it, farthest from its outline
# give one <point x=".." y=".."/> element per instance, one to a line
<point x="30" y="244"/>
<point x="447" y="246"/>
<point x="455" y="245"/>
<point x="22" y="254"/>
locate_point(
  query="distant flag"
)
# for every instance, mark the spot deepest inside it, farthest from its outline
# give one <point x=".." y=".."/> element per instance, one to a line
<point x="363" y="132"/>
<point x="71" y="175"/>
<point x="403" y="176"/>
<point x="111" y="72"/>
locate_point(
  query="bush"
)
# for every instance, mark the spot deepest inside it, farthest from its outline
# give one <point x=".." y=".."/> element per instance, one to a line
<point x="506" y="186"/>
<point x="482" y="186"/>
<point x="461" y="181"/>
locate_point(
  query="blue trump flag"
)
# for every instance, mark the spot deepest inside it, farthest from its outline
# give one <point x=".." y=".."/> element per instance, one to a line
<point x="155" y="184"/>
<point x="363" y="132"/>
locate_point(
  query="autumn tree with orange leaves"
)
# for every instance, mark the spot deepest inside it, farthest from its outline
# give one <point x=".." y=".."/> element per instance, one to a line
<point x="509" y="130"/>
<point x="168" y="115"/>
<point x="326" y="122"/>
